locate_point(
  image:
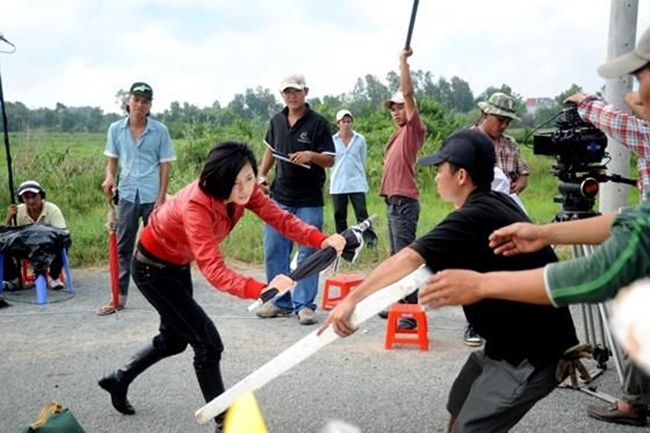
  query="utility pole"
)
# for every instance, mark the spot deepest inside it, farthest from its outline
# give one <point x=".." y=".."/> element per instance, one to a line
<point x="622" y="37"/>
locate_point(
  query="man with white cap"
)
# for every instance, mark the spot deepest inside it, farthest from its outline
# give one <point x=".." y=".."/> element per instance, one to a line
<point x="348" y="180"/>
<point x="620" y="260"/>
<point x="301" y="141"/>
<point x="398" y="184"/>
<point x="34" y="209"/>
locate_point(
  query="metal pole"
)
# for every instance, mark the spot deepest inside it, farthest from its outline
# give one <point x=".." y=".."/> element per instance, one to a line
<point x="10" y="176"/>
<point x="622" y="36"/>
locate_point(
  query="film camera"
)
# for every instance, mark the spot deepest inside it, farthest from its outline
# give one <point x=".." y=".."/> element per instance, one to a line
<point x="575" y="143"/>
<point x="579" y="149"/>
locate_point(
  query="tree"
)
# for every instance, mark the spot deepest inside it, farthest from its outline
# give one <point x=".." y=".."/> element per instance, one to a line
<point x="559" y="99"/>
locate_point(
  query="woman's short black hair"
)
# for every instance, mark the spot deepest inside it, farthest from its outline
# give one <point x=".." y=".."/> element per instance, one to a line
<point x="221" y="167"/>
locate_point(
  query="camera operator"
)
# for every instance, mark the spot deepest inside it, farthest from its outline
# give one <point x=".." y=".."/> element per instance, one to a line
<point x="631" y="131"/>
<point x="621" y="259"/>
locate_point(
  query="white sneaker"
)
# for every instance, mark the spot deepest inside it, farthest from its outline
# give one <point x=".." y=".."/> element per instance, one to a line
<point x="56" y="284"/>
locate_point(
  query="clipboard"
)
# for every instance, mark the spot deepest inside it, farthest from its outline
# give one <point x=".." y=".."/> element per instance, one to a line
<point x="284" y="157"/>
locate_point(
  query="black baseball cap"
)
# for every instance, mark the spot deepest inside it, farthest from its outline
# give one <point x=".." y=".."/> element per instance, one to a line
<point x="470" y="149"/>
<point x="143" y="89"/>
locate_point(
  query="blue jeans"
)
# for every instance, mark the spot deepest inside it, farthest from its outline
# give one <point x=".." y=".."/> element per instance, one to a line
<point x="128" y="223"/>
<point x="277" y="258"/>
<point x="403" y="215"/>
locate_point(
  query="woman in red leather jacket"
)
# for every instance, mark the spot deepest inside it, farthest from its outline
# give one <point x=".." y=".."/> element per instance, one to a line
<point x="190" y="227"/>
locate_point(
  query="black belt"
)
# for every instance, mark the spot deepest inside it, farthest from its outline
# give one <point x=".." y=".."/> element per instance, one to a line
<point x="141" y="257"/>
<point x="399" y="199"/>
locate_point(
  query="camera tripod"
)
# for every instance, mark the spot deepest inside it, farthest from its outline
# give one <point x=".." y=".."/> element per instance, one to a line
<point x="595" y="321"/>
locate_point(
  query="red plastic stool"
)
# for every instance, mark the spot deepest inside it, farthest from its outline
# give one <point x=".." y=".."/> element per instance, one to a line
<point x="344" y="283"/>
<point x="407" y="311"/>
<point x="29" y="277"/>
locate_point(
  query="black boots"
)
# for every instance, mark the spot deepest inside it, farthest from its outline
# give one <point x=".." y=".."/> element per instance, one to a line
<point x="211" y="385"/>
<point x="117" y="383"/>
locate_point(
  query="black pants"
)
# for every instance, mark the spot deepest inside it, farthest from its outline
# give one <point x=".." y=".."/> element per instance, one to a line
<point x="182" y="321"/>
<point x="340" y="203"/>
<point x="12" y="267"/>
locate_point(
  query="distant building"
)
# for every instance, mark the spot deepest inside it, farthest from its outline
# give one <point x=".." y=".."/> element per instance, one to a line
<point x="534" y="104"/>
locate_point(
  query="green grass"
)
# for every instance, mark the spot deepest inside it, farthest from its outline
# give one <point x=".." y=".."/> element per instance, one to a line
<point x="71" y="169"/>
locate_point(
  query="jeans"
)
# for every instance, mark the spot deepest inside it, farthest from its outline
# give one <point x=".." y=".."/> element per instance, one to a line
<point x="277" y="258"/>
<point x="128" y="215"/>
<point x="182" y="321"/>
<point x="403" y="218"/>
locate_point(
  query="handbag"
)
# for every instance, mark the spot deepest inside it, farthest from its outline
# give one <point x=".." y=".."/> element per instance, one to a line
<point x="54" y="418"/>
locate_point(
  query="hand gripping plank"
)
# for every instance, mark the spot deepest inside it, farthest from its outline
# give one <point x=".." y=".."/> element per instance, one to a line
<point x="311" y="343"/>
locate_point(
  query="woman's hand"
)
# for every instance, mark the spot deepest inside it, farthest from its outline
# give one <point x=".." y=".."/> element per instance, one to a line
<point x="335" y="241"/>
<point x="282" y="283"/>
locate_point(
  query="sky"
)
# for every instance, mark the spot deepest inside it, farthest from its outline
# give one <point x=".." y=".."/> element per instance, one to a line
<point x="81" y="52"/>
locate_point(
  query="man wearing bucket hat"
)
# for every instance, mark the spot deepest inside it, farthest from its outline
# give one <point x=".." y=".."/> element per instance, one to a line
<point x="621" y="258"/>
<point x="499" y="384"/>
<point x="496" y="115"/>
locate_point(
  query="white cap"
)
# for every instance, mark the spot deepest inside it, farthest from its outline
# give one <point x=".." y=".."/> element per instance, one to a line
<point x="342" y="113"/>
<point x="295" y="81"/>
<point x="397" y="98"/>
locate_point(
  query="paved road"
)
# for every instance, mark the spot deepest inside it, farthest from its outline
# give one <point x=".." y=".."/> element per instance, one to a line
<point x="60" y="350"/>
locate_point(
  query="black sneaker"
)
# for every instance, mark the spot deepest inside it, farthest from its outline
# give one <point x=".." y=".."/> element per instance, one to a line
<point x="471" y="337"/>
<point x="406" y="323"/>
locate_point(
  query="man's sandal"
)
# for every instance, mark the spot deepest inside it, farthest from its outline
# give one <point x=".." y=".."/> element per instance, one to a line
<point x="109" y="308"/>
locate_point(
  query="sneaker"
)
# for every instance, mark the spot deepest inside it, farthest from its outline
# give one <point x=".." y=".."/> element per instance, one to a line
<point x="11" y="285"/>
<point x="383" y="314"/>
<point x="56" y="284"/>
<point x="471" y="337"/>
<point x="270" y="310"/>
<point x="637" y="417"/>
<point x="306" y="316"/>
<point x="406" y="323"/>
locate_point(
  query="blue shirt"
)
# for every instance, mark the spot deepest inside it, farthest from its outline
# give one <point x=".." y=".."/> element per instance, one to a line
<point x="349" y="172"/>
<point x="139" y="160"/>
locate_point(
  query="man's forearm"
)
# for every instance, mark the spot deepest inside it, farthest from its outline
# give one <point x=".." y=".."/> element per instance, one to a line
<point x="164" y="179"/>
<point x="111" y="168"/>
<point x="391" y="270"/>
<point x="322" y="159"/>
<point x="591" y="231"/>
<point x="267" y="163"/>
<point x="520" y="286"/>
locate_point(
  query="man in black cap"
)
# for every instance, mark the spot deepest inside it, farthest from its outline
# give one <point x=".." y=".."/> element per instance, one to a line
<point x="500" y="383"/>
<point x="142" y="150"/>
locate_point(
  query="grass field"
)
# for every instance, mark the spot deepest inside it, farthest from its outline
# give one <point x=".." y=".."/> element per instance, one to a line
<point x="71" y="169"/>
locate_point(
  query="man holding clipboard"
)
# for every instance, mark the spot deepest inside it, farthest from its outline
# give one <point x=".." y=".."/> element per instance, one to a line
<point x="300" y="140"/>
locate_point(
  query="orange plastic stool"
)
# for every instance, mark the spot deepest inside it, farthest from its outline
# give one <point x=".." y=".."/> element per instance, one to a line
<point x="407" y="311"/>
<point x="343" y="283"/>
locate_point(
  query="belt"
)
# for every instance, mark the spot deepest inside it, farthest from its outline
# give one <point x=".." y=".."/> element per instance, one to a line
<point x="398" y="199"/>
<point x="146" y="260"/>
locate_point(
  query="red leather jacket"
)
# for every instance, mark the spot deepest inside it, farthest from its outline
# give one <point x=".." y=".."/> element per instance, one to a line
<point x="191" y="225"/>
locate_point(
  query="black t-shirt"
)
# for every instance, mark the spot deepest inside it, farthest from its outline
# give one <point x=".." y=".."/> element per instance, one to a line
<point x="512" y="331"/>
<point x="294" y="185"/>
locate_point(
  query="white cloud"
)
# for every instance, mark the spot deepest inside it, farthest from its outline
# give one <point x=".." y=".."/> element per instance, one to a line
<point x="80" y="52"/>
